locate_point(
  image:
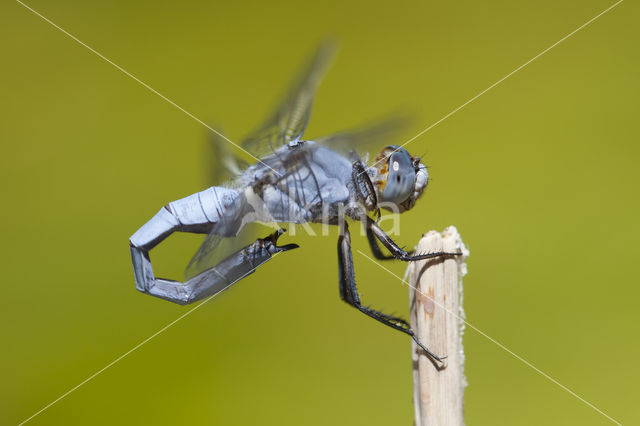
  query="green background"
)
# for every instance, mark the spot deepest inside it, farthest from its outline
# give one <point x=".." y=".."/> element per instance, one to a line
<point x="540" y="176"/>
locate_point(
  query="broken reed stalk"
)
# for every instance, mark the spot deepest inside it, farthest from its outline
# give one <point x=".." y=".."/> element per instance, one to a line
<point x="437" y="319"/>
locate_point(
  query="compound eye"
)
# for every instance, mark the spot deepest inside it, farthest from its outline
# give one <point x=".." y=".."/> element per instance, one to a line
<point x="401" y="178"/>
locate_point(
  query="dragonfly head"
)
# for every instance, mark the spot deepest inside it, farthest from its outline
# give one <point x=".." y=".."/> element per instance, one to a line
<point x="401" y="178"/>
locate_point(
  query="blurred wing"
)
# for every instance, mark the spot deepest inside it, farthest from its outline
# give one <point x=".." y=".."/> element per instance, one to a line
<point x="293" y="187"/>
<point x="222" y="164"/>
<point x="222" y="240"/>
<point x="367" y="139"/>
<point x="291" y="118"/>
<point x="199" y="261"/>
<point x="216" y="248"/>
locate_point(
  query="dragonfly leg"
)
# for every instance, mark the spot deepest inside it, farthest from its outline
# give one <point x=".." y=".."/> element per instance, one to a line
<point x="375" y="248"/>
<point x="349" y="293"/>
<point x="374" y="230"/>
<point x="211" y="281"/>
<point x="365" y="192"/>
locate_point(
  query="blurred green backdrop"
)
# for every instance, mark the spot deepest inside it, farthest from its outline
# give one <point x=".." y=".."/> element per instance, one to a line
<point x="540" y="176"/>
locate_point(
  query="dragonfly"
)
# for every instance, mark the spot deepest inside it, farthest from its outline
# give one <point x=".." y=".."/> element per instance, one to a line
<point x="294" y="181"/>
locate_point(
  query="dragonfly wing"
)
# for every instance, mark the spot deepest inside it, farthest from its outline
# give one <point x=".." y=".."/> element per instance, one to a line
<point x="223" y="164"/>
<point x="292" y="116"/>
<point x="284" y="196"/>
<point x="367" y="138"/>
<point x="235" y="230"/>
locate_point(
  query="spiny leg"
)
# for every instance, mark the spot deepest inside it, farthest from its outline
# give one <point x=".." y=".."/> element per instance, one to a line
<point x="375" y="248"/>
<point x="349" y="293"/>
<point x="396" y="251"/>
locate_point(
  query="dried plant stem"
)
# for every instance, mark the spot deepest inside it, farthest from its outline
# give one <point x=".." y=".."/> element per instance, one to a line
<point x="436" y="317"/>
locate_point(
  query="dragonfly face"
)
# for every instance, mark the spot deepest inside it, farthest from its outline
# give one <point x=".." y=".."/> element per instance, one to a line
<point x="401" y="177"/>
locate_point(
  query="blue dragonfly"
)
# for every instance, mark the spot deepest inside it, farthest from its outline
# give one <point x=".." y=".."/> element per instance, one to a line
<point x="295" y="181"/>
